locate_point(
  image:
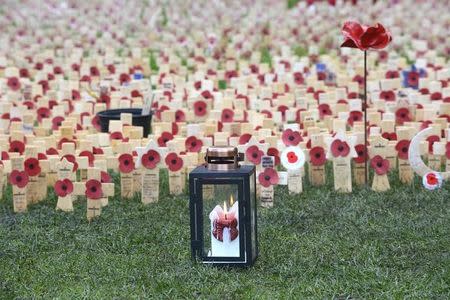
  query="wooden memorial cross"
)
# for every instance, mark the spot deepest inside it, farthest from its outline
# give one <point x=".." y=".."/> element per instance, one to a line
<point x="19" y="191"/>
<point x="316" y="166"/>
<point x="149" y="160"/>
<point x="102" y="165"/>
<point x="94" y="190"/>
<point x="377" y="154"/>
<point x="65" y="172"/>
<point x="341" y="150"/>
<point x="405" y="172"/>
<point x="37" y="185"/>
<point x="126" y="167"/>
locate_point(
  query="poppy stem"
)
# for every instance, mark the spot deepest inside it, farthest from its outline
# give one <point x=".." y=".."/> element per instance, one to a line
<point x="366" y="179"/>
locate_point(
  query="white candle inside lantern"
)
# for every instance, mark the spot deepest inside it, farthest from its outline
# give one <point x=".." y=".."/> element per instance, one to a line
<point x="225" y="230"/>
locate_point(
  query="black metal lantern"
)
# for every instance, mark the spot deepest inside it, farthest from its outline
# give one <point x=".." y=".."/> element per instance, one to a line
<point x="223" y="209"/>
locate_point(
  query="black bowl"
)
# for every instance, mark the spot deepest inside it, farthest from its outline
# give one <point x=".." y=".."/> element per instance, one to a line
<point x="114" y="114"/>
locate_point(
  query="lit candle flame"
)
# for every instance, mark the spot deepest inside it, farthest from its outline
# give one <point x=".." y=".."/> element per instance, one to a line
<point x="225" y="209"/>
<point x="231" y="200"/>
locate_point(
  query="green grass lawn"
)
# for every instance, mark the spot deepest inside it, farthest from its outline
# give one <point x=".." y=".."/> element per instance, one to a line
<point x="319" y="244"/>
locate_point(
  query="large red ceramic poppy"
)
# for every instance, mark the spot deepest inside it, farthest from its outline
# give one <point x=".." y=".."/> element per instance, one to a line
<point x="364" y="37"/>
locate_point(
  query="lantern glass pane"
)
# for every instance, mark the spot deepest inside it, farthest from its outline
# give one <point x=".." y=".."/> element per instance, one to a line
<point x="220" y="220"/>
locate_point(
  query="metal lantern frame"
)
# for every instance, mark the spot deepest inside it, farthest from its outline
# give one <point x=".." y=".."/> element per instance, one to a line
<point x="214" y="173"/>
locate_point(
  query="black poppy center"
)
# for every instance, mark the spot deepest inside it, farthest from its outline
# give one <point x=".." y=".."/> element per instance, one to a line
<point x="19" y="178"/>
<point x="64" y="187"/>
<point x="193" y="144"/>
<point x="318" y="155"/>
<point x="267" y="177"/>
<point x="31" y="166"/>
<point x="360" y="153"/>
<point x="341" y="148"/>
<point x="173" y="161"/>
<point x="16" y="149"/>
<point x="291" y="138"/>
<point x="405" y="149"/>
<point x="151" y="158"/>
<point x="93" y="189"/>
<point x="379" y="164"/>
<point x="200" y="108"/>
<point x="126" y="162"/>
<point x="254" y="155"/>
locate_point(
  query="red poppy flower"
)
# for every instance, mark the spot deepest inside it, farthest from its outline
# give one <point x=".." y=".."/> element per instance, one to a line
<point x="126" y="163"/>
<point x="193" y="144"/>
<point x="117" y="135"/>
<point x="174" y="162"/>
<point x="124" y="78"/>
<point x="94" y="71"/>
<point x="275" y="154"/>
<point x="13" y="83"/>
<point x="56" y="122"/>
<point x="298" y="78"/>
<point x="424" y="91"/>
<point x="243" y="139"/>
<point x="85" y="78"/>
<point x="339" y="148"/>
<point x="105" y="177"/>
<point x="387" y="95"/>
<point x="63" y="187"/>
<point x="391" y="136"/>
<point x="111" y="68"/>
<point x="380" y="165"/>
<point x="254" y="155"/>
<point x="431" y="140"/>
<point x="32" y="167"/>
<point x="24" y="73"/>
<point x="71" y="158"/>
<point x="44" y="84"/>
<point x="364" y="37"/>
<point x="402" y="148"/>
<point x="207" y="95"/>
<point x="57" y="70"/>
<point x="51" y="151"/>
<point x="180" y="116"/>
<point x="291" y="138"/>
<point x="28" y="104"/>
<point x="41" y="156"/>
<point x="268" y="177"/>
<point x="17" y="146"/>
<point x="4" y="155"/>
<point x="392" y="74"/>
<point x="317" y="156"/>
<point x="65" y="140"/>
<point x="104" y="98"/>
<point x="18" y="178"/>
<point x="200" y="108"/>
<point x="93" y="189"/>
<point x="75" y="67"/>
<point x="436" y="96"/>
<point x="267" y="113"/>
<point x="150" y="159"/>
<point x="38" y="66"/>
<point x="43" y="113"/>
<point x="402" y="115"/>
<point x="164" y="138"/>
<point x="413" y="79"/>
<point x="361" y="154"/>
<point x="97" y="150"/>
<point x="227" y="115"/>
<point x="89" y="155"/>
<point x="354" y="116"/>
<point x="96" y="123"/>
<point x="359" y="79"/>
<point x="324" y="110"/>
<point x="432" y="179"/>
<point x="352" y="95"/>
